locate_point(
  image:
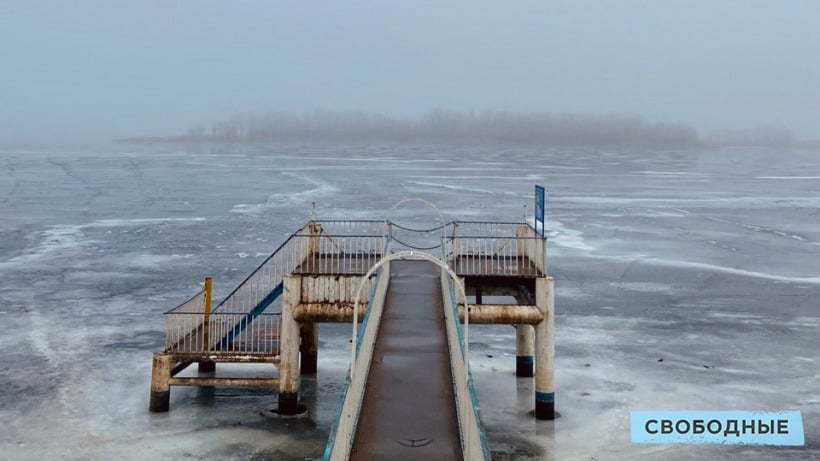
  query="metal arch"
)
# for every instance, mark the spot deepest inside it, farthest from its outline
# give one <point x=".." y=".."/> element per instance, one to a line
<point x="416" y="256"/>
<point x="443" y="223"/>
<point x="417" y="199"/>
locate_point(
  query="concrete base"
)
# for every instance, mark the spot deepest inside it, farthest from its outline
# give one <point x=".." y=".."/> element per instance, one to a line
<point x="207" y="367"/>
<point x="544" y="405"/>
<point x="524" y="366"/>
<point x="309" y="347"/>
<point x="289" y="404"/>
<point x="160" y="401"/>
<point x="160" y="386"/>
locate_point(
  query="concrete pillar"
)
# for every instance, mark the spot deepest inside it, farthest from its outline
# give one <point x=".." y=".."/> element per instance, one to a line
<point x="545" y="350"/>
<point x="160" y="388"/>
<point x="309" y="347"/>
<point x="524" y="350"/>
<point x="289" y="347"/>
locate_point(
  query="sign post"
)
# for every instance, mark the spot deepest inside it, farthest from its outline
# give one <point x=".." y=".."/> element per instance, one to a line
<point x="539" y="208"/>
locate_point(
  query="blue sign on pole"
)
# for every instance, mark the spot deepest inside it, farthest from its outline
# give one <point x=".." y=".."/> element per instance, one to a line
<point x="539" y="208"/>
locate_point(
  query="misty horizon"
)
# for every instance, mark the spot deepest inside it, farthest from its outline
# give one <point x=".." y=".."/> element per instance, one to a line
<point x="96" y="70"/>
<point x="442" y="126"/>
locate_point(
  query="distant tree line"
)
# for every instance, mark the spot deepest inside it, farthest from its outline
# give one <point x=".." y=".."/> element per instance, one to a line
<point x="762" y="136"/>
<point x="443" y="126"/>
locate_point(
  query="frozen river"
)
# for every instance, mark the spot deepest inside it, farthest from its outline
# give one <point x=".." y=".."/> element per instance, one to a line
<point x="707" y="259"/>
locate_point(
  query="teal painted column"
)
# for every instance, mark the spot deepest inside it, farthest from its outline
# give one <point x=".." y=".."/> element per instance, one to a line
<point x="545" y="350"/>
<point x="524" y="351"/>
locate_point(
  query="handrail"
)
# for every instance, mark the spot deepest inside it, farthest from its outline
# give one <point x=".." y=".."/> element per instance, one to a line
<point x="487" y="236"/>
<point x="347" y="414"/>
<point x="410" y="229"/>
<point x="261" y="265"/>
<point x="415" y="247"/>
<point x="225" y="333"/>
<point x="372" y="222"/>
<point x="193" y="304"/>
<point x="442" y="224"/>
<point x="467" y="406"/>
<point x="404" y="255"/>
<point x="520" y="255"/>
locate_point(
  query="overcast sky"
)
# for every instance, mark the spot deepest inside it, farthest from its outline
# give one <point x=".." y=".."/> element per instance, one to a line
<point x="108" y="68"/>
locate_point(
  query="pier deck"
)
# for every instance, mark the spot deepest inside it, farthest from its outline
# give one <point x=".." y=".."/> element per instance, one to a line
<point x="409" y="411"/>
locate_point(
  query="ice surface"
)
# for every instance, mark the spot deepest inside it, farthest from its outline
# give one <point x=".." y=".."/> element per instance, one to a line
<point x="707" y="259"/>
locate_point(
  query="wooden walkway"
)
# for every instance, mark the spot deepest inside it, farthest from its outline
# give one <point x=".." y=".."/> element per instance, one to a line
<point x="409" y="411"/>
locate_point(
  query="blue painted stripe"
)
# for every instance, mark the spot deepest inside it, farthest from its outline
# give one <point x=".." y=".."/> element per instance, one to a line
<point x="470" y="388"/>
<point x="331" y="440"/>
<point x="227" y="341"/>
<point x="544" y="396"/>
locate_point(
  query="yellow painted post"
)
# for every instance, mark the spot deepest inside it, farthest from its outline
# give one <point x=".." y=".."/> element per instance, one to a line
<point x="208" y="286"/>
<point x="207" y="366"/>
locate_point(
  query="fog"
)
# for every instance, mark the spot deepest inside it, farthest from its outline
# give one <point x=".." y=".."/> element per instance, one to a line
<point x="100" y="69"/>
<point x="445" y="127"/>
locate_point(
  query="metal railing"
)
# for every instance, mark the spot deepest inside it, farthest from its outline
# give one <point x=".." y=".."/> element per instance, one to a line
<point x="337" y="254"/>
<point x="183" y="322"/>
<point x="486" y="228"/>
<point x="473" y="439"/>
<point x="501" y="256"/>
<point x="194" y="305"/>
<point x="241" y="333"/>
<point x="265" y="279"/>
<point x="351" y="227"/>
<point x="304" y="251"/>
<point x="343" y="247"/>
<point x="239" y="323"/>
<point x="424" y="239"/>
<point x="350" y="401"/>
<point x="194" y="328"/>
<point x="420" y="238"/>
<point x="222" y="333"/>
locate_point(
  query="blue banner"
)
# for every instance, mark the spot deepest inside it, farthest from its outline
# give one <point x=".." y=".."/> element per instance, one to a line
<point x="723" y="427"/>
<point x="539" y="207"/>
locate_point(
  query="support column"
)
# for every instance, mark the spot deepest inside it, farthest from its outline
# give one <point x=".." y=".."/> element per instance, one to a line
<point x="309" y="348"/>
<point x="289" y="347"/>
<point x="524" y="350"/>
<point x="545" y="350"/>
<point x="160" y="388"/>
<point x="207" y="366"/>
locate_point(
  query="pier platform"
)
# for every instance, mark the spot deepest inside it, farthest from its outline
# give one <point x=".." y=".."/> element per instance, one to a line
<point x="409" y="393"/>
